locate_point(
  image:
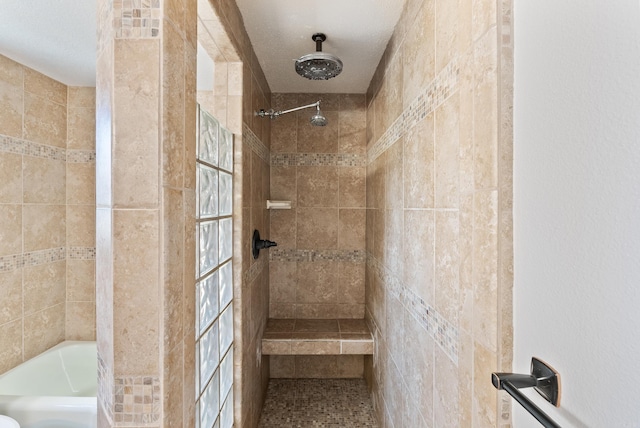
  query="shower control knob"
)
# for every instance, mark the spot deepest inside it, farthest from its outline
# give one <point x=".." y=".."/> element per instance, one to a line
<point x="258" y="244"/>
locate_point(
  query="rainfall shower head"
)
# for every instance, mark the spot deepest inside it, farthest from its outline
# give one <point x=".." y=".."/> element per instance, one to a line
<point x="317" y="119"/>
<point x="318" y="65"/>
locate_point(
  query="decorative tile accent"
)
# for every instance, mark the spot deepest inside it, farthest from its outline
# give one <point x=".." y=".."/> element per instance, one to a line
<point x="136" y="19"/>
<point x="254" y="143"/>
<point x="33" y="258"/>
<point x="438" y="327"/>
<point x="317" y="255"/>
<point x="137" y="399"/>
<point x="81" y="253"/>
<point x="435" y="94"/>
<point x="317" y="159"/>
<point x="29" y="148"/>
<point x="317" y="403"/>
<point x="81" y="156"/>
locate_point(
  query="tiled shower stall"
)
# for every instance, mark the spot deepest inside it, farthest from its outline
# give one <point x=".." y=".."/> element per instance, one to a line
<point x="401" y="213"/>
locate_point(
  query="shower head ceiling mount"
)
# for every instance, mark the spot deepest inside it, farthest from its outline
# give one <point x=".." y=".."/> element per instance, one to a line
<point x="318" y="65"/>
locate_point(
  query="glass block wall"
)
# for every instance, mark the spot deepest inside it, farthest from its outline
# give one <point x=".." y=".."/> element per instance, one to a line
<point x="214" y="287"/>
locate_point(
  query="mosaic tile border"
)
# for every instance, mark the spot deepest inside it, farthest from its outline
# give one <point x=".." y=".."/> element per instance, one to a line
<point x="29" y="148"/>
<point x="354" y="256"/>
<point x="439" y="328"/>
<point x="19" y="146"/>
<point x="137" y="399"/>
<point x="81" y="253"/>
<point x="136" y="19"/>
<point x="436" y="93"/>
<point x="81" y="156"/>
<point x="32" y="258"/>
<point x="318" y="159"/>
<point x="254" y="143"/>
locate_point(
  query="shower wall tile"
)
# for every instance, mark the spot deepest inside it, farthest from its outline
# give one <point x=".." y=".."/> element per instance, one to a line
<point x="12" y="297"/>
<point x="44" y="287"/>
<point x="44" y="226"/>
<point x="317" y="228"/>
<point x="11" y="97"/>
<point x="45" y="121"/>
<point x="80" y="320"/>
<point x="318" y="139"/>
<point x="81" y="226"/>
<point x="81" y="183"/>
<point x="351" y="187"/>
<point x="44" y="180"/>
<point x="438" y="215"/>
<point x="10" y="178"/>
<point x="43" y="329"/>
<point x="11" y="345"/>
<point x="314" y="190"/>
<point x="11" y="232"/>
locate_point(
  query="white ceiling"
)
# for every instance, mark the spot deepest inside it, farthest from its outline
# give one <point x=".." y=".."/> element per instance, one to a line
<point x="58" y="38"/>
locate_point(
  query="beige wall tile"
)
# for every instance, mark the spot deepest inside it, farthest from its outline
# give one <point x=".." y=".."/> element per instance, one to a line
<point x="419" y="260"/>
<point x="352" y="131"/>
<point x="282" y="366"/>
<point x="11" y="341"/>
<point x="44" y="226"/>
<point x="81" y="280"/>
<point x="81" y="130"/>
<point x="10" y="178"/>
<point x="11" y="97"/>
<point x="317" y="228"/>
<point x="45" y="87"/>
<point x="135" y="277"/>
<point x="317" y="186"/>
<point x="351" y="187"/>
<point x="447" y="151"/>
<point x="447" y="265"/>
<point x="316" y="366"/>
<point x="316" y="282"/>
<point x="318" y="139"/>
<point x="485" y="396"/>
<point x="11" y="231"/>
<point x="283" y="229"/>
<point x="44" y="180"/>
<point x="80" y="321"/>
<point x="419" y="53"/>
<point x="44" y="287"/>
<point x="419" y="165"/>
<point x="43" y="329"/>
<point x="351" y="229"/>
<point x="81" y="183"/>
<point x="12" y="297"/>
<point x="136" y="146"/>
<point x="351" y="282"/>
<point x="45" y="121"/>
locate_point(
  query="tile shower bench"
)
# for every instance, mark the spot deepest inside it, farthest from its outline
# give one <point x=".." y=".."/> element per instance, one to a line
<point x="317" y="337"/>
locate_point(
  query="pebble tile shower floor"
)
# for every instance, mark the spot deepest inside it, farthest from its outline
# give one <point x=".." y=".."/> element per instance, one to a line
<point x="302" y="403"/>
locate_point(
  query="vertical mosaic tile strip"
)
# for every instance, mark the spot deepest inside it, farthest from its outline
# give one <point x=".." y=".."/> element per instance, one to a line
<point x="317" y="159"/>
<point x="439" y="328"/>
<point x="136" y="19"/>
<point x="435" y="94"/>
<point x="279" y="255"/>
<point x="254" y="143"/>
<point x="137" y="400"/>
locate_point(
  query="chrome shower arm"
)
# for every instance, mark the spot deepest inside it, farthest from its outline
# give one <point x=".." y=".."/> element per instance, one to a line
<point x="273" y="114"/>
<point x="316" y="104"/>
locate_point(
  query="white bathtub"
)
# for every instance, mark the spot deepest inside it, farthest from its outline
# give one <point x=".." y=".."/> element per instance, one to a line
<point x="56" y="389"/>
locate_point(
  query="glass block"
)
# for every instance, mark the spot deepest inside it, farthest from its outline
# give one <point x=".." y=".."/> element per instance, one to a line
<point x="208" y="242"/>
<point x="207" y="191"/>
<point x="226" y="373"/>
<point x="207" y="301"/>
<point x="208" y="138"/>
<point x="209" y="356"/>
<point x="225" y="141"/>
<point x="225" y="247"/>
<point x="226" y="329"/>
<point x="226" y="414"/>
<point x="226" y="284"/>
<point x="225" y="194"/>
<point x="209" y="402"/>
